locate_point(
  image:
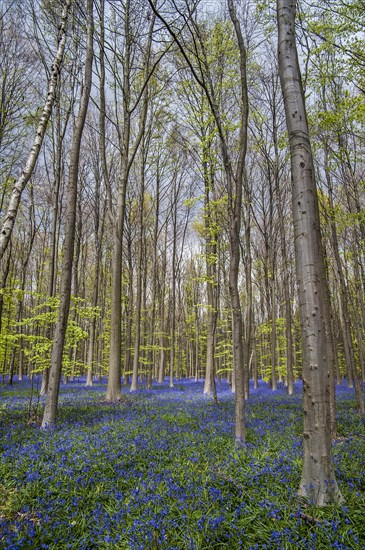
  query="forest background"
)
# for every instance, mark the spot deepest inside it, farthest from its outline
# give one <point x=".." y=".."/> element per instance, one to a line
<point x="146" y="195"/>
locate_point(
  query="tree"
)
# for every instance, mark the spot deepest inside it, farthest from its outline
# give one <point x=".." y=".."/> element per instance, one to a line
<point x="234" y="173"/>
<point x="203" y="129"/>
<point x="20" y="183"/>
<point x="139" y="268"/>
<point x="60" y="121"/>
<point x="99" y="211"/>
<point x="318" y="481"/>
<point x="128" y="148"/>
<point x="50" y="411"/>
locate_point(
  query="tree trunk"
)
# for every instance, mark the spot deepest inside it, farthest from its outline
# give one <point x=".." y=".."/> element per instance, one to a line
<point x="249" y="317"/>
<point x="344" y="301"/>
<point x="318" y="482"/>
<point x="162" y="297"/>
<point x="153" y="338"/>
<point x="114" y="388"/>
<point x="210" y="261"/>
<point x="137" y="320"/>
<point x="55" y="225"/>
<point x="128" y="154"/>
<point x="27" y="172"/>
<point x="128" y="313"/>
<point x="235" y="209"/>
<point x="288" y="311"/>
<point x="50" y="411"/>
<point x="173" y="290"/>
<point x="285" y="270"/>
<point x="274" y="385"/>
<point x="99" y="230"/>
<point x="332" y="359"/>
<point x="4" y="277"/>
<point x="360" y="320"/>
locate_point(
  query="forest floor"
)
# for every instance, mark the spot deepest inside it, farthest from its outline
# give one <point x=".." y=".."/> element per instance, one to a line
<point x="159" y="470"/>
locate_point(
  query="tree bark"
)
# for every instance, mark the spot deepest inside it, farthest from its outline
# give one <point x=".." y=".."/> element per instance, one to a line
<point x="162" y="298"/>
<point x="55" y="225"/>
<point x="128" y="154"/>
<point x="27" y="172"/>
<point x="234" y="186"/>
<point x="139" y="262"/>
<point x="173" y="286"/>
<point x="210" y="261"/>
<point x="288" y="309"/>
<point x="50" y="411"/>
<point x="318" y="482"/>
<point x="235" y="210"/>
<point x="99" y="219"/>
<point x="249" y="316"/>
<point x="352" y="376"/>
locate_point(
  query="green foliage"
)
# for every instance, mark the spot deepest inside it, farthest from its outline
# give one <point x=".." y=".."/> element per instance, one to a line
<point x="6" y="186"/>
<point x="36" y="333"/>
<point x="192" y="202"/>
<point x="337" y="29"/>
<point x="266" y="16"/>
<point x="7" y="334"/>
<point x="223" y="349"/>
<point x="263" y="337"/>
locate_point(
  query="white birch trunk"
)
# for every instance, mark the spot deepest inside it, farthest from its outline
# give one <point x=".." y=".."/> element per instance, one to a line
<point x="19" y="185"/>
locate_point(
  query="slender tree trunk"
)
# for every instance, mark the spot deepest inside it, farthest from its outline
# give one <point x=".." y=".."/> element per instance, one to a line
<point x="318" y="481"/>
<point x="162" y="298"/>
<point x="137" y="319"/>
<point x="114" y="388"/>
<point x="274" y="385"/>
<point x="331" y="346"/>
<point x="288" y="310"/>
<point x="19" y="315"/>
<point x="196" y="347"/>
<point x="50" y="411"/>
<point x="285" y="270"/>
<point x="99" y="230"/>
<point x="4" y="277"/>
<point x="255" y="373"/>
<point x="19" y="185"/>
<point x="129" y="315"/>
<point x="332" y="359"/>
<point x="210" y="261"/>
<point x="162" y="344"/>
<point x="235" y="209"/>
<point x="360" y="321"/>
<point x="128" y="154"/>
<point x="173" y="291"/>
<point x="153" y="337"/>
<point x="344" y="309"/>
<point x="60" y="135"/>
<point x="249" y="317"/>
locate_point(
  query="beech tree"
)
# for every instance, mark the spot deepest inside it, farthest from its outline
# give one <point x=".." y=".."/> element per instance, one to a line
<point x="141" y="222"/>
<point x="318" y="482"/>
<point x="99" y="211"/>
<point x="135" y="99"/>
<point x="50" y="411"/>
<point x="234" y="173"/>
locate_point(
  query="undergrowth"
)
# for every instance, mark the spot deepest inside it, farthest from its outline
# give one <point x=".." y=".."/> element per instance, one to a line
<point x="159" y="470"/>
